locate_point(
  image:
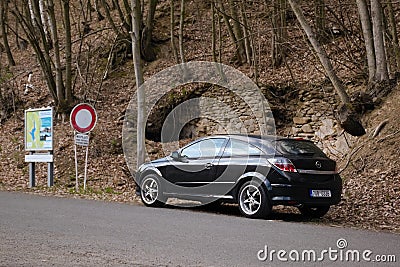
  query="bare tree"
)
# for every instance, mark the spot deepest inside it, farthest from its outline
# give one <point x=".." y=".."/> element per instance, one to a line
<point x="366" y="26"/>
<point x="279" y="32"/>
<point x="348" y="118"/>
<point x="246" y="31"/>
<point x="141" y="124"/>
<point x="110" y="19"/>
<point x="3" y="31"/>
<point x="226" y="18"/>
<point x="68" y="53"/>
<point x="148" y="52"/>
<point x="50" y="62"/>
<point x="45" y="20"/>
<point x="319" y="10"/>
<point x="172" y="35"/>
<point x="381" y="72"/>
<point x="180" y="34"/>
<point x="393" y="34"/>
<point x="57" y="56"/>
<point x="237" y="29"/>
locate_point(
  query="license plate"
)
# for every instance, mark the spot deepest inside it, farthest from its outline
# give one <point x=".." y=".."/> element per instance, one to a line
<point x="320" y="193"/>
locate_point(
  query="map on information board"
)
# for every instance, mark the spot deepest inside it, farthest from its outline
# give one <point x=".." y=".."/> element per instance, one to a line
<point x="39" y="129"/>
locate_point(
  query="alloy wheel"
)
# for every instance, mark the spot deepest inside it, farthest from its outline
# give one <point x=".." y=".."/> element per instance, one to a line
<point x="150" y="191"/>
<point x="250" y="199"/>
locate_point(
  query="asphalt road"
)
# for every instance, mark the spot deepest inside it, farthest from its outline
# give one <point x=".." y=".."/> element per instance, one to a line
<point x="50" y="231"/>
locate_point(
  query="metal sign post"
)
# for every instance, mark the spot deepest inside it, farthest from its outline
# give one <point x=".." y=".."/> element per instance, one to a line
<point x="83" y="119"/>
<point x="76" y="169"/>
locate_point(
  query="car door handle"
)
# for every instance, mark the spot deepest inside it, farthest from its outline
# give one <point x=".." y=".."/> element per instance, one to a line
<point x="208" y="165"/>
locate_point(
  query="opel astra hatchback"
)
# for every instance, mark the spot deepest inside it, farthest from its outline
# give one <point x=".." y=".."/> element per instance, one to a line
<point x="256" y="172"/>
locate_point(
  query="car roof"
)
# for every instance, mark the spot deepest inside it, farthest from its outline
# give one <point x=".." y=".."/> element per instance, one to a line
<point x="261" y="141"/>
<point x="249" y="138"/>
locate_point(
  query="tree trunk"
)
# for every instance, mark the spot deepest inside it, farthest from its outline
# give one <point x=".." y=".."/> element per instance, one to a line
<point x="68" y="54"/>
<point x="230" y="30"/>
<point x="141" y="123"/>
<point x="57" y="57"/>
<point x="31" y="12"/>
<point x="347" y="117"/>
<point x="100" y="16"/>
<point x="237" y="30"/>
<point x="128" y="21"/>
<point x="172" y="36"/>
<point x="393" y="33"/>
<point x="323" y="57"/>
<point x="213" y="33"/>
<point x="247" y="36"/>
<point x="3" y="31"/>
<point x="368" y="37"/>
<point x="279" y="32"/>
<point x="319" y="10"/>
<point x="44" y="21"/>
<point x="109" y="17"/>
<point x="381" y="73"/>
<point x="148" y="51"/>
<point x="180" y="33"/>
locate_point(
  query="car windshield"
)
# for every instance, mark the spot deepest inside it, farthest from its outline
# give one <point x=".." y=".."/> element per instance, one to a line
<point x="298" y="147"/>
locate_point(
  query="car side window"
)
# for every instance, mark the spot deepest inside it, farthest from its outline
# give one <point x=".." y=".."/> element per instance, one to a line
<point x="240" y="148"/>
<point x="207" y="148"/>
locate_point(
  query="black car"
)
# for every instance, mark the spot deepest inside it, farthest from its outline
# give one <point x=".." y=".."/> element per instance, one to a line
<point x="256" y="172"/>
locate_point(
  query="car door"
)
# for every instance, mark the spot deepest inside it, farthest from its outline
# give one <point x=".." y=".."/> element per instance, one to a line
<point x="197" y="166"/>
<point x="238" y="158"/>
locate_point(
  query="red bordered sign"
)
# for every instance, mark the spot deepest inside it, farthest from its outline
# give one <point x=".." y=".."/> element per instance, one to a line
<point x="83" y="118"/>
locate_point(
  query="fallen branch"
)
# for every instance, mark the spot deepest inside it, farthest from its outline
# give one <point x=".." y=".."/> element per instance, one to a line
<point x="379" y="128"/>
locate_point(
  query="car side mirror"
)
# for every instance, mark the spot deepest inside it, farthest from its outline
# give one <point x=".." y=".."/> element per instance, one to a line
<point x="176" y="155"/>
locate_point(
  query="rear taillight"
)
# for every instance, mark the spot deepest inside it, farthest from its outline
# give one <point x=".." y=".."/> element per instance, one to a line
<point x="283" y="164"/>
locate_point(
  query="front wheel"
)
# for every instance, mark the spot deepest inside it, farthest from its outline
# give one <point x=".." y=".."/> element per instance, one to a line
<point x="253" y="200"/>
<point x="150" y="192"/>
<point x="314" y="212"/>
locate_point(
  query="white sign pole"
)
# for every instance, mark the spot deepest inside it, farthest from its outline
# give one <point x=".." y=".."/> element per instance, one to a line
<point x="86" y="165"/>
<point x="76" y="168"/>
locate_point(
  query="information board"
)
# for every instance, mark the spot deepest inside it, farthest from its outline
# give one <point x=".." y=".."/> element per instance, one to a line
<point x="39" y="129"/>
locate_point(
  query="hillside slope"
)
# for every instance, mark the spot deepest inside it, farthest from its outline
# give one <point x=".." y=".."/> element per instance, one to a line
<point x="371" y="195"/>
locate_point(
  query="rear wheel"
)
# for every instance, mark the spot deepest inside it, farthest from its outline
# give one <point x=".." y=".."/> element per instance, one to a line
<point x="253" y="200"/>
<point x="314" y="212"/>
<point x="151" y="191"/>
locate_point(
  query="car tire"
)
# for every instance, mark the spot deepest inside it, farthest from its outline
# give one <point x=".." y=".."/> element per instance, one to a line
<point x="151" y="191"/>
<point x="314" y="212"/>
<point x="253" y="200"/>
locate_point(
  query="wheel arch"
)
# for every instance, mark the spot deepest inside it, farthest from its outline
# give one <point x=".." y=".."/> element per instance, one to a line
<point x="147" y="171"/>
<point x="248" y="177"/>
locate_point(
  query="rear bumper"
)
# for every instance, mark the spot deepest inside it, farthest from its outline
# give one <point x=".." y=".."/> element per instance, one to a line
<point x="299" y="194"/>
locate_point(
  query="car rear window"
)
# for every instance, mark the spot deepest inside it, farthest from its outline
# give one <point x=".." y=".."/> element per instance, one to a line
<point x="298" y="147"/>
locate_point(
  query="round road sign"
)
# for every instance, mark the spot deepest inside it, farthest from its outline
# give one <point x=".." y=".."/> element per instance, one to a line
<point x="83" y="118"/>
